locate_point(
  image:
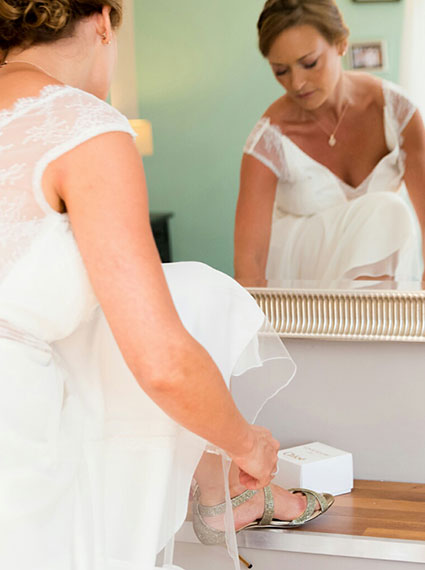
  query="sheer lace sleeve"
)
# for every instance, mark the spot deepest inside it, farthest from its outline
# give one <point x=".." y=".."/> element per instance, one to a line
<point x="69" y="119"/>
<point x="400" y="107"/>
<point x="33" y="133"/>
<point x="265" y="144"/>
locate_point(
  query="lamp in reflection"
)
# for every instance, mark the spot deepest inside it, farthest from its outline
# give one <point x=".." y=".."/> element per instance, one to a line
<point x="144" y="140"/>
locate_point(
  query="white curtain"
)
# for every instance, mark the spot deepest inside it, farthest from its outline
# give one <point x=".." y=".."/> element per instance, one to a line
<point x="412" y="72"/>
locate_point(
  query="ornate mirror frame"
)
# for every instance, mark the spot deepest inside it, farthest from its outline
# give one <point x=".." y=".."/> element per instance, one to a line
<point x="344" y="314"/>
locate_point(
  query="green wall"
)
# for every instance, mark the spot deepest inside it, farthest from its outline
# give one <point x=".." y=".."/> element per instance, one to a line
<point x="377" y="21"/>
<point x="203" y="85"/>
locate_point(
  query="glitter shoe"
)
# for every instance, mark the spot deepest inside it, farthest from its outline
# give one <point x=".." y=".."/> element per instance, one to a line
<point x="209" y="535"/>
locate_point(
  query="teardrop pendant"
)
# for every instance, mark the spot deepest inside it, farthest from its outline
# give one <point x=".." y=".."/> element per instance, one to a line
<point x="332" y="140"/>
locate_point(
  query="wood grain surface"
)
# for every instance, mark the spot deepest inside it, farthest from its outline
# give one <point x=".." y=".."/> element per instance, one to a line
<point x="376" y="508"/>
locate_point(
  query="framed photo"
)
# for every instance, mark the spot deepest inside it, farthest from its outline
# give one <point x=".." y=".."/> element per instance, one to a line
<point x="368" y="56"/>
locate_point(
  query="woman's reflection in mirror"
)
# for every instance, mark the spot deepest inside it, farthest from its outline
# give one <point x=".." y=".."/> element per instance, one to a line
<point x="325" y="170"/>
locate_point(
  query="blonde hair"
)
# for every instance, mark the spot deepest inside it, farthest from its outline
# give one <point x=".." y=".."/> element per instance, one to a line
<point x="23" y="24"/>
<point x="279" y="15"/>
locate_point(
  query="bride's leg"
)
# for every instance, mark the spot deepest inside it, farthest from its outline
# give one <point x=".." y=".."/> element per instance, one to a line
<point x="210" y="480"/>
<point x="224" y="318"/>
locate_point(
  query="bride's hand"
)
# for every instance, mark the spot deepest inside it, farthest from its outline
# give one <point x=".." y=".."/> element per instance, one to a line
<point x="258" y="466"/>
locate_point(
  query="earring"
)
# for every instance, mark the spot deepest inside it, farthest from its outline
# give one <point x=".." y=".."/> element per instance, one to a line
<point x="104" y="39"/>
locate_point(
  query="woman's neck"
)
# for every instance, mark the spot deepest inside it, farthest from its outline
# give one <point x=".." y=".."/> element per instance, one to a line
<point x="58" y="62"/>
<point x="336" y="103"/>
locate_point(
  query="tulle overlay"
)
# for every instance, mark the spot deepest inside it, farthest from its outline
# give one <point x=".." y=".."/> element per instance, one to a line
<point x="96" y="475"/>
<point x="93" y="475"/>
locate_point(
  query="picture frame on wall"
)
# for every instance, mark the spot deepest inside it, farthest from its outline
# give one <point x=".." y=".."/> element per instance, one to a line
<point x="368" y="56"/>
<point x="372" y="1"/>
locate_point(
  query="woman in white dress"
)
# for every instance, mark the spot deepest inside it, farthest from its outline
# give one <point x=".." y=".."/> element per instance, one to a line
<point x="324" y="170"/>
<point x="106" y="398"/>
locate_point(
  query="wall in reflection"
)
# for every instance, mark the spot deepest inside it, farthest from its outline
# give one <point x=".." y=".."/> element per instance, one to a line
<point x="365" y="23"/>
<point x="203" y="84"/>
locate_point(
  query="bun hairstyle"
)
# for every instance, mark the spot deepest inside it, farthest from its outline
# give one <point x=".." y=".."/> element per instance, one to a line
<point x="279" y="15"/>
<point x="24" y="23"/>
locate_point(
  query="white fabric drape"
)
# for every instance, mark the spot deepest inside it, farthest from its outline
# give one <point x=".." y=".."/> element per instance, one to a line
<point x="412" y="72"/>
<point x="93" y="474"/>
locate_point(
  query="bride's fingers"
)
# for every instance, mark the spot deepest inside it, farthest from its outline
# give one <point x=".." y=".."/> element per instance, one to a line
<point x="251" y="482"/>
<point x="247" y="480"/>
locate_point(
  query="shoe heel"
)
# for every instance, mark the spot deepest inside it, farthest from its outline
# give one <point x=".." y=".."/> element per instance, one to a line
<point x="205" y="533"/>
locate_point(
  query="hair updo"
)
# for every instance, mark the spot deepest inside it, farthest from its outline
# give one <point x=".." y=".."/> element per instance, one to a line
<point x="280" y="15"/>
<point x="27" y="22"/>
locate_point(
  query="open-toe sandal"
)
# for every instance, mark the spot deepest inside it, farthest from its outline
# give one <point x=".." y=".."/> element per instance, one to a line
<point x="209" y="535"/>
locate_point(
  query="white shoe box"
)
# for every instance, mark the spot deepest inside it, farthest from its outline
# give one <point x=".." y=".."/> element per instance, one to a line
<point x="315" y="466"/>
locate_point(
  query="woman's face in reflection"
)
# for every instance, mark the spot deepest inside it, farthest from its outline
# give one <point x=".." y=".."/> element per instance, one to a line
<point x="306" y="65"/>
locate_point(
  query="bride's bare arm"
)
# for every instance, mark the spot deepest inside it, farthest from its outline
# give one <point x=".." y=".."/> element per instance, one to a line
<point x="253" y="222"/>
<point x="414" y="147"/>
<point x="103" y="186"/>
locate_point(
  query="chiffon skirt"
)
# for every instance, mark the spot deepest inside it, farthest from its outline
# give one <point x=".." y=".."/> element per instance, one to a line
<point x="374" y="235"/>
<point x="93" y="475"/>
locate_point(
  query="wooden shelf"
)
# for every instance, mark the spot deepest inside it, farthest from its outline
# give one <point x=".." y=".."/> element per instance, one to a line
<point x="376" y="521"/>
<point x="378" y="509"/>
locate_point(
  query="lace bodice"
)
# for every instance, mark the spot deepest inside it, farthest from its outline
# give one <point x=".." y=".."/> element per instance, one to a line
<point x="305" y="186"/>
<point x="37" y="249"/>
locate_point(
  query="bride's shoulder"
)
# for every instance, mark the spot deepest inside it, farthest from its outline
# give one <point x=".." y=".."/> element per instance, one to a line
<point x="362" y="79"/>
<point x="18" y="85"/>
<point x="23" y="90"/>
<point x="367" y="90"/>
<point x="280" y="113"/>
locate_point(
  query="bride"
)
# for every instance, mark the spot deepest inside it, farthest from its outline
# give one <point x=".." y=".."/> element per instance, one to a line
<point x="325" y="170"/>
<point x="114" y="370"/>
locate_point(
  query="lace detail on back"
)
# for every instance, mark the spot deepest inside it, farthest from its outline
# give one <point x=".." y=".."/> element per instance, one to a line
<point x="25" y="103"/>
<point x="265" y="144"/>
<point x="33" y="133"/>
<point x="399" y="105"/>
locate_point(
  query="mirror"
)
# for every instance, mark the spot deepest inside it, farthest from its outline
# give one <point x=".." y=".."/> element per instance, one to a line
<point x="331" y="178"/>
<point x="203" y="84"/>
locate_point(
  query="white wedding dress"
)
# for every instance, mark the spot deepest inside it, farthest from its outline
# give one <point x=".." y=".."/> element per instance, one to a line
<point x="93" y="475"/>
<point x="325" y="230"/>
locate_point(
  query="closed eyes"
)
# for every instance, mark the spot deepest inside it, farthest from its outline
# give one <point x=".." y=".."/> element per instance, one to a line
<point x="311" y="65"/>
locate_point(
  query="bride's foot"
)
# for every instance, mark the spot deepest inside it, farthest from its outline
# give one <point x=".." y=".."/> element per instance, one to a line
<point x="287" y="507"/>
<point x="284" y="509"/>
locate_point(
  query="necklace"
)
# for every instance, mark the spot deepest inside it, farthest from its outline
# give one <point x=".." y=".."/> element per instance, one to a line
<point x="27" y="63"/>
<point x="332" y="139"/>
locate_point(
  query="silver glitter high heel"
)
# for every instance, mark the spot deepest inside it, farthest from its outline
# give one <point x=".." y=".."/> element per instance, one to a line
<point x="209" y="535"/>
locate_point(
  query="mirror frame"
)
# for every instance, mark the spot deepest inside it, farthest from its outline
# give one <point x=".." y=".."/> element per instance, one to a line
<point x="355" y="315"/>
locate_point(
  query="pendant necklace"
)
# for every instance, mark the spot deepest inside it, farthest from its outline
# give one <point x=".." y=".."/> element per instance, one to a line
<point x="27" y="63"/>
<point x="332" y="139"/>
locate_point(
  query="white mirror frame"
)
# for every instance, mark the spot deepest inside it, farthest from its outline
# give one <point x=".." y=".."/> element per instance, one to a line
<point x="344" y="315"/>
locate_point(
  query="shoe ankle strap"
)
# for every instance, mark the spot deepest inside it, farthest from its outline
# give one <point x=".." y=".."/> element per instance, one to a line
<point x="220" y="509"/>
<point x="215" y="510"/>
